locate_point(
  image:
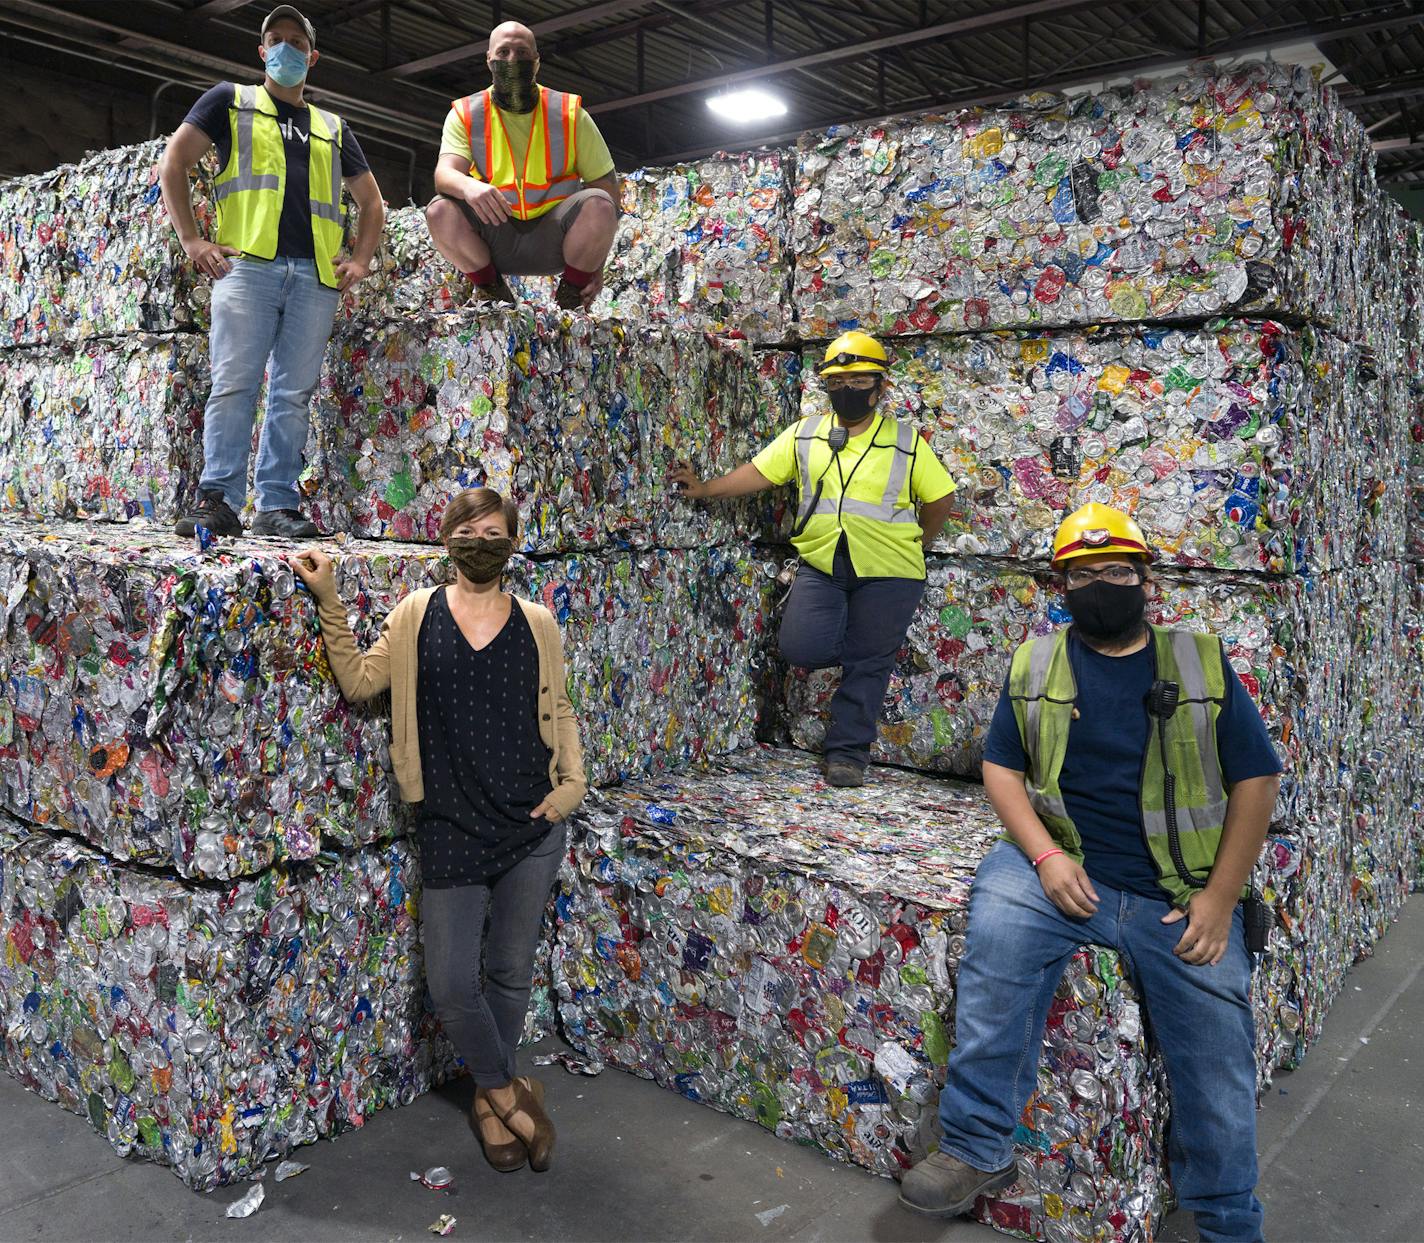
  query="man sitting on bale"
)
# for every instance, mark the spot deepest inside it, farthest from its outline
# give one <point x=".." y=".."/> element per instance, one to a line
<point x="1136" y="782"/>
<point x="525" y="182"/>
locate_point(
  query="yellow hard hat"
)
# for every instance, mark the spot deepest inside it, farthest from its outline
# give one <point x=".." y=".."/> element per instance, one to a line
<point x="1096" y="529"/>
<point x="854" y="351"/>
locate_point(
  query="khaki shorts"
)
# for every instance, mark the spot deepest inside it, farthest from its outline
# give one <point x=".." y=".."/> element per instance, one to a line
<point x="530" y="247"/>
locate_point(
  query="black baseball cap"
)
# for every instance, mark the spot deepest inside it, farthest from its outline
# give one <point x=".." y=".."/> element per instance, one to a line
<point x="286" y="10"/>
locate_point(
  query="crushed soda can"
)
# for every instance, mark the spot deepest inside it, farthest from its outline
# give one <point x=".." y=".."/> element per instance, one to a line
<point x="436" y="1178"/>
<point x="443" y="1225"/>
<point x="574" y="1063"/>
<point x="785" y="952"/>
<point x="289" y="1169"/>
<point x="248" y="1203"/>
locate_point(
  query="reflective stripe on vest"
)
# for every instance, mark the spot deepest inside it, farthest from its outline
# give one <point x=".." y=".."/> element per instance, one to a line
<point x="887" y="509"/>
<point x="1043" y="692"/>
<point x="553" y="136"/>
<point x="250" y="189"/>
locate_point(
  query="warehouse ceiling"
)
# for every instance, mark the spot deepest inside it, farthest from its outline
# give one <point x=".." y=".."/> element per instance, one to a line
<point x="647" y="67"/>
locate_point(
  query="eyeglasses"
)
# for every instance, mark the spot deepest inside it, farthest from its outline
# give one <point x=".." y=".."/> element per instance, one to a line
<point x="1117" y="574"/>
<point x="863" y="382"/>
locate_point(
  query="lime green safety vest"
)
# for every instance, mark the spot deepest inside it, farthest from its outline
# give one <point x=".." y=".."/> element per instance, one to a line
<point x="1043" y="693"/>
<point x="876" y="511"/>
<point x="250" y="187"/>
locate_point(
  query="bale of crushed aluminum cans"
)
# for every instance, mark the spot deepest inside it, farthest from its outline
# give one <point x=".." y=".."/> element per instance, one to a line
<point x="757" y="941"/>
<point x="976" y="611"/>
<point x="176" y="709"/>
<point x="106" y="429"/>
<point x="705" y="246"/>
<point x="576" y="420"/>
<point x="1236" y="191"/>
<point x="87" y="250"/>
<point x="1243" y="445"/>
<point x="214" y="1027"/>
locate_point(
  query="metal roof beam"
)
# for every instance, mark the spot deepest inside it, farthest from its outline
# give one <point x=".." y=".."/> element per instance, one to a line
<point x="216" y="8"/>
<point x="849" y="51"/>
<point x="468" y="51"/>
<point x="1407" y="89"/>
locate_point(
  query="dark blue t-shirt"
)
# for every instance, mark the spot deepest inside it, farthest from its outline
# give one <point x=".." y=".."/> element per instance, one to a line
<point x="1102" y="767"/>
<point x="294" y="229"/>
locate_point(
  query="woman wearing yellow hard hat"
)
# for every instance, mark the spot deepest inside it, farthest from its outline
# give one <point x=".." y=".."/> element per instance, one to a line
<point x="871" y="496"/>
<point x="1135" y="782"/>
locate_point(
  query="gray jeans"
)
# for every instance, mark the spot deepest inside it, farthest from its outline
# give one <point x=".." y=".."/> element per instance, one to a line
<point x="483" y="1012"/>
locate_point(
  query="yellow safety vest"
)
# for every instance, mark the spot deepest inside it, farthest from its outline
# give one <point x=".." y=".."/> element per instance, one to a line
<point x="250" y="187"/>
<point x="876" y="510"/>
<point x="548" y="173"/>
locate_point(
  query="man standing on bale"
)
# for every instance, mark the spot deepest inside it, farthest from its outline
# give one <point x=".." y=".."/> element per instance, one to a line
<point x="871" y="497"/>
<point x="276" y="271"/>
<point x="1135" y="781"/>
<point x="525" y="184"/>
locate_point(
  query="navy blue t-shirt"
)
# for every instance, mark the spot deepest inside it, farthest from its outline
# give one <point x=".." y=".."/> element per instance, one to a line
<point x="1102" y="767"/>
<point x="294" y="229"/>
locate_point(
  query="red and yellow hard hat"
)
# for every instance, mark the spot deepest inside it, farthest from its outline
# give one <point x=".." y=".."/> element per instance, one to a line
<point x="1097" y="529"/>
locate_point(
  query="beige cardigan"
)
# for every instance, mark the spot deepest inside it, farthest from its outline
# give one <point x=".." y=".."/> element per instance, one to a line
<point x="390" y="664"/>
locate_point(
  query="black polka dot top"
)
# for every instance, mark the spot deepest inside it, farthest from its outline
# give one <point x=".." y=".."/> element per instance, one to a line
<point x="484" y="764"/>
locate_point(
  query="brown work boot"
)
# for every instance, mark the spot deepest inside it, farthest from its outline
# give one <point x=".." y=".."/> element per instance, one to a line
<point x="498" y="292"/>
<point x="943" y="1186"/>
<point x="844" y="773"/>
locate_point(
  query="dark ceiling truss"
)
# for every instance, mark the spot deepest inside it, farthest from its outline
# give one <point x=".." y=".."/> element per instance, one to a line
<point x="646" y="67"/>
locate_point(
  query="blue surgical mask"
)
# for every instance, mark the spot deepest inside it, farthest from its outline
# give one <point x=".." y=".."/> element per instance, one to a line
<point x="285" y="65"/>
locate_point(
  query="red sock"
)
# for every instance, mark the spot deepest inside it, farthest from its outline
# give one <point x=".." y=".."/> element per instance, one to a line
<point x="485" y="276"/>
<point x="576" y="277"/>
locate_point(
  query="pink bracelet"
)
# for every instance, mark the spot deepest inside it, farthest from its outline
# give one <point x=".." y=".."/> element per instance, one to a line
<point x="1047" y="854"/>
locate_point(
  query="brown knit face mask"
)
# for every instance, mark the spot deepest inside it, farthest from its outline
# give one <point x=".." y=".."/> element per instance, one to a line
<point x="480" y="560"/>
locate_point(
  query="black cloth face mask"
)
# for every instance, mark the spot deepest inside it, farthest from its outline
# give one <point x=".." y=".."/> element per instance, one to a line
<point x="853" y="404"/>
<point x="480" y="560"/>
<point x="514" y="89"/>
<point x="1107" y="612"/>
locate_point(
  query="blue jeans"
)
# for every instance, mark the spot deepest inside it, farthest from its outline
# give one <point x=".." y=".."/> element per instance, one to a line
<point x="270" y="316"/>
<point x="1018" y="946"/>
<point x="480" y="981"/>
<point x="858" y="624"/>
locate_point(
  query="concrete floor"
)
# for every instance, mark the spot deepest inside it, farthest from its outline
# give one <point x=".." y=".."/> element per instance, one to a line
<point x="1342" y="1153"/>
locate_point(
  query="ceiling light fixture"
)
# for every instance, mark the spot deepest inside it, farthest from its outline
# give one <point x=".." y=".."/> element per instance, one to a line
<point x="743" y="107"/>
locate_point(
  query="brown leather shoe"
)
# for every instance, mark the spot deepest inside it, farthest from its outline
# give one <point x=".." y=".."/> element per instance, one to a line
<point x="528" y="1122"/>
<point x="503" y="1149"/>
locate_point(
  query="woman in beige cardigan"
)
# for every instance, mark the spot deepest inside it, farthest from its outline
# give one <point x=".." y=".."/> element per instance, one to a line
<point x="485" y="743"/>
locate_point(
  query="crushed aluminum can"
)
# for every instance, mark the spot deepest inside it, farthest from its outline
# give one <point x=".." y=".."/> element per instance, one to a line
<point x="442" y="1225"/>
<point x="436" y="1178"/>
<point x="574" y="1063"/>
<point x="248" y="1203"/>
<point x="289" y="1169"/>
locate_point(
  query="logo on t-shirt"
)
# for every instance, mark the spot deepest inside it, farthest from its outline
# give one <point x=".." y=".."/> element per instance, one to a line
<point x="290" y="129"/>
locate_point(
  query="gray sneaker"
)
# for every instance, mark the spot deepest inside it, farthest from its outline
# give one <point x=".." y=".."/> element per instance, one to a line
<point x="285" y="524"/>
<point x="943" y="1186"/>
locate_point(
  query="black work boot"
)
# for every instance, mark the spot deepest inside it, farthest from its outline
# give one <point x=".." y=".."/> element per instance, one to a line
<point x="844" y="773"/>
<point x="943" y="1186"/>
<point x="285" y="524"/>
<point x="211" y="512"/>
